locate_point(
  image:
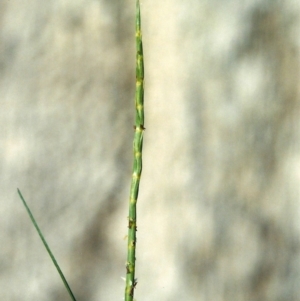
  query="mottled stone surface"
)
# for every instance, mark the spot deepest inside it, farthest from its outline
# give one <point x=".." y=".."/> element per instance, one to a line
<point x="219" y="206"/>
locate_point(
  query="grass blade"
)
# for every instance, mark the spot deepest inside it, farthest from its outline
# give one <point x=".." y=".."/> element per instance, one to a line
<point x="131" y="282"/>
<point x="47" y="247"/>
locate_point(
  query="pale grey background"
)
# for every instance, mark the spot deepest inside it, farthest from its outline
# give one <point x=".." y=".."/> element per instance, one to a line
<point x="219" y="211"/>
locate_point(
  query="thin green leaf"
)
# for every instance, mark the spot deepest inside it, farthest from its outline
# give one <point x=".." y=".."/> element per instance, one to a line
<point x="47" y="247"/>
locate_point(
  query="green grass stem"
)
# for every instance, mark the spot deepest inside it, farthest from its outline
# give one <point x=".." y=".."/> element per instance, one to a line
<point x="47" y="247"/>
<point x="131" y="281"/>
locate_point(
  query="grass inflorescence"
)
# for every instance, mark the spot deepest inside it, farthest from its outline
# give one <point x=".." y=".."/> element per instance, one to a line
<point x="131" y="281"/>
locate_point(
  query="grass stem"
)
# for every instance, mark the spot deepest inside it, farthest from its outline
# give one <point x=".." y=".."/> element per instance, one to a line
<point x="131" y="281"/>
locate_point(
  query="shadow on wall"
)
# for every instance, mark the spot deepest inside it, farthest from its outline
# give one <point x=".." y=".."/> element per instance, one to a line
<point x="246" y="137"/>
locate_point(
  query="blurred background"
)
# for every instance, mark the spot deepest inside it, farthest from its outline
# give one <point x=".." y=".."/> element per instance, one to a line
<point x="219" y="205"/>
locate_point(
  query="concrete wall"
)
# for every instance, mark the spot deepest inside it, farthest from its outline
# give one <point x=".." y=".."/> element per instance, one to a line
<point x="219" y="204"/>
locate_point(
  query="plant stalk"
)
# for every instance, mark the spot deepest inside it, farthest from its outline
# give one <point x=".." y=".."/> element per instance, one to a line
<point x="131" y="281"/>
